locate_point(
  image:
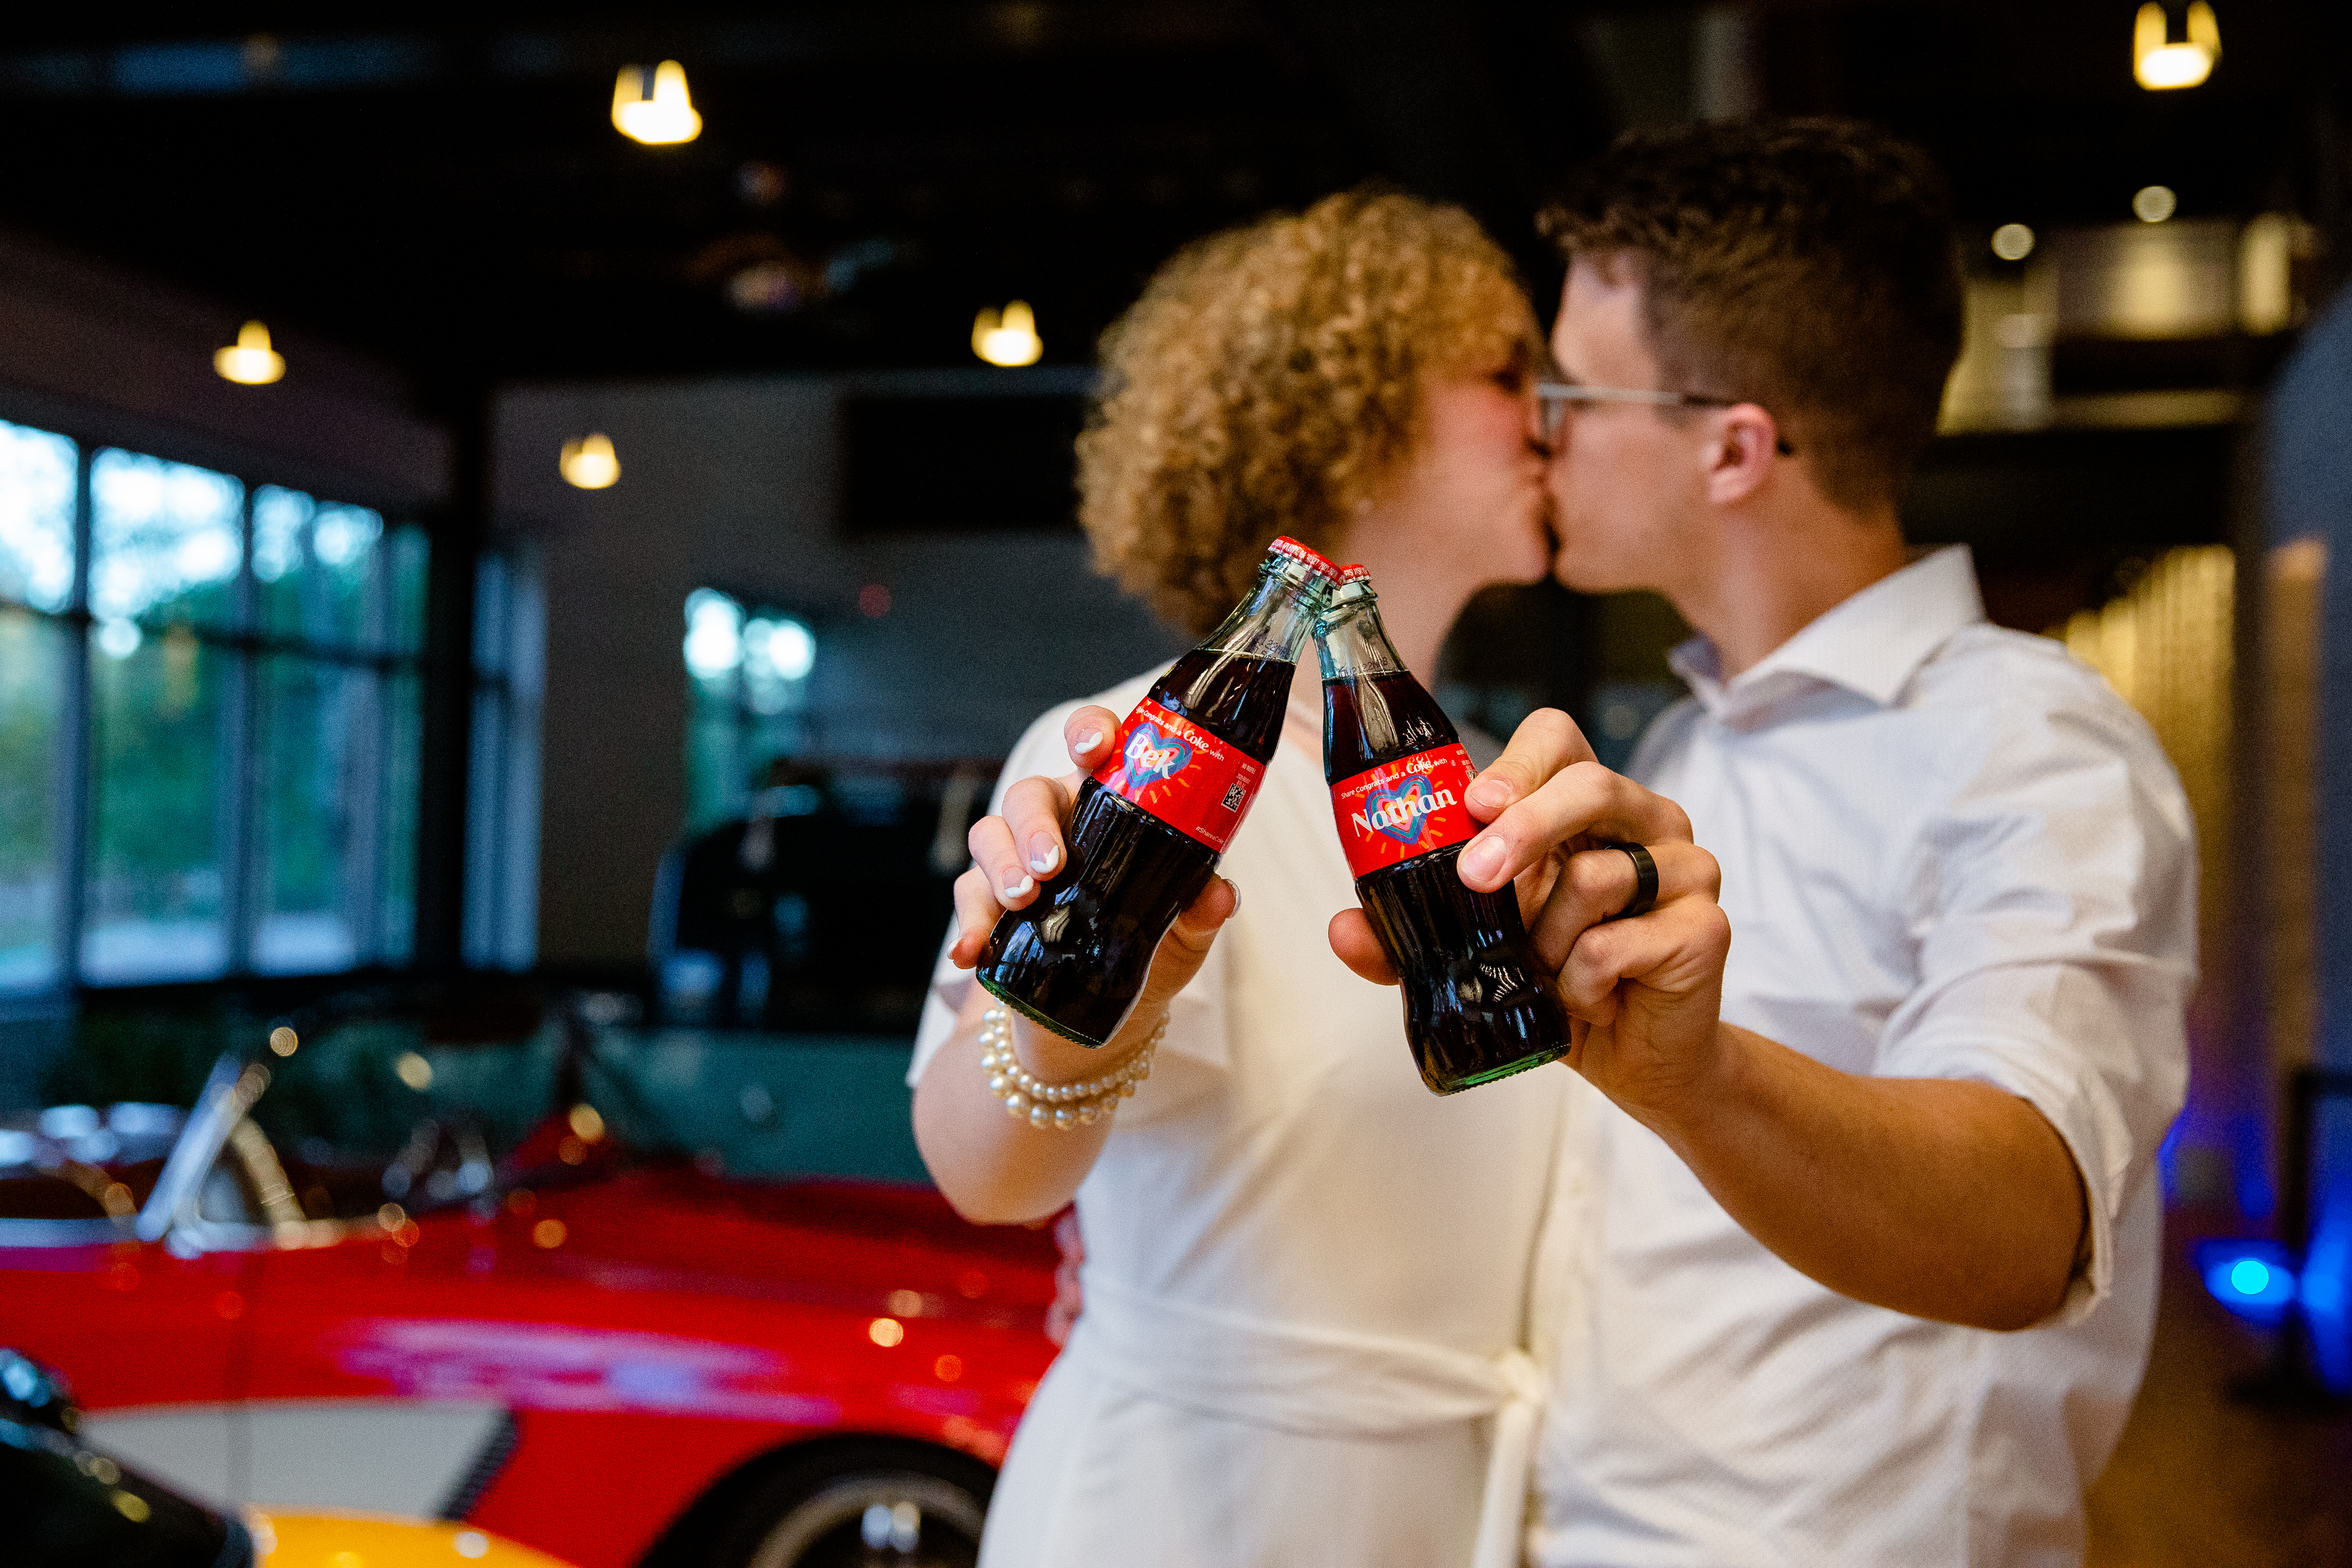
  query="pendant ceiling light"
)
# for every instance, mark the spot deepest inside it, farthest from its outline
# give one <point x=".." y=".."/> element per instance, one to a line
<point x="657" y="112"/>
<point x="1007" y="339"/>
<point x="589" y="463"/>
<point x="2159" y="63"/>
<point x="250" y="362"/>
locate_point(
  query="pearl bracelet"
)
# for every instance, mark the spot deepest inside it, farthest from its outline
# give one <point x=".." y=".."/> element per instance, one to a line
<point x="1060" y="1105"/>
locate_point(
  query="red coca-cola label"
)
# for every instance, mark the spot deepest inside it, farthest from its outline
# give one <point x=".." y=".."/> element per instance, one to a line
<point x="1403" y="809"/>
<point x="1181" y="774"/>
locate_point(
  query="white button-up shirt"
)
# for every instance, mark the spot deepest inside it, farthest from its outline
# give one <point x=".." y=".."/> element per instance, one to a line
<point x="1948" y="851"/>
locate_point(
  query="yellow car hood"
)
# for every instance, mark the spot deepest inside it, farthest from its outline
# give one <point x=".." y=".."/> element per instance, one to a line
<point x="359" y="1541"/>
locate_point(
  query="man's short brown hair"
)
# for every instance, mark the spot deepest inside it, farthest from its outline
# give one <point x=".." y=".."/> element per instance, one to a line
<point x="1809" y="265"/>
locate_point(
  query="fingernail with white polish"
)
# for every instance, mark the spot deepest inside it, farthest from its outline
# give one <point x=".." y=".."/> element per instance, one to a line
<point x="1016" y="889"/>
<point x="1044" y="855"/>
<point x="1483" y="858"/>
<point x="1090" y="740"/>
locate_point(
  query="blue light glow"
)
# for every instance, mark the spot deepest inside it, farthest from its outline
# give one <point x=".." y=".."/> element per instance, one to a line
<point x="2328" y="1289"/>
<point x="2250" y="1279"/>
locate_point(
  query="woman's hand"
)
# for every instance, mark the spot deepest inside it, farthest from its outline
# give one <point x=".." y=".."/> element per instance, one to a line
<point x="1643" y="994"/>
<point x="996" y="1169"/>
<point x="1013" y="852"/>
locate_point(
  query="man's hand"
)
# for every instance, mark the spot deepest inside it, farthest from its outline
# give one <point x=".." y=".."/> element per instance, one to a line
<point x="1643" y="994"/>
<point x="1947" y="1200"/>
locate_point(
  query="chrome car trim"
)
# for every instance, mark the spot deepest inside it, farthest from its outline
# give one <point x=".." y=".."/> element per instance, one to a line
<point x="227" y="1094"/>
<point x="93" y="1232"/>
<point x="902" y="1498"/>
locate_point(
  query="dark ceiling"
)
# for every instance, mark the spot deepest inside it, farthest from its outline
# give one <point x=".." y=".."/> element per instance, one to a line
<point x="446" y="190"/>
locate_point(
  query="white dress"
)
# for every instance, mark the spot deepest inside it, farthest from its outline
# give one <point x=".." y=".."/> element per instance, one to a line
<point x="1306" y="1276"/>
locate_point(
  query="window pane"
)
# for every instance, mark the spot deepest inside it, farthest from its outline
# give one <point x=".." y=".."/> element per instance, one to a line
<point x="407" y="557"/>
<point x="396" y="876"/>
<point x="716" y="782"/>
<point x="36" y="507"/>
<point x="747" y="700"/>
<point x="315" y="831"/>
<point x="164" y="542"/>
<point x="154" y="896"/>
<point x="312" y="562"/>
<point x="32" y="679"/>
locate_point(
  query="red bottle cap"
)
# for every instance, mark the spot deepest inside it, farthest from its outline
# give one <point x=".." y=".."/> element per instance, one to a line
<point x="1312" y="559"/>
<point x="1355" y="573"/>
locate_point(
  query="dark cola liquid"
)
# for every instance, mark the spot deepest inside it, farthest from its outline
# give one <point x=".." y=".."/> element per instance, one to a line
<point x="1076" y="959"/>
<point x="1474" y="1008"/>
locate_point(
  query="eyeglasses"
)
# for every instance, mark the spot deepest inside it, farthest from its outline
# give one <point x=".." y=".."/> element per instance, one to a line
<point x="1556" y="397"/>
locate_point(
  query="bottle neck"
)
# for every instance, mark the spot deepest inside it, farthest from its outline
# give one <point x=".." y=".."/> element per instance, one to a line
<point x="1274" y="622"/>
<point x="1352" y="642"/>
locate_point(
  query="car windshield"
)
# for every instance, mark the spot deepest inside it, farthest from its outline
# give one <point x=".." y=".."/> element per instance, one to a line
<point x="406" y="1109"/>
<point x="79" y="1161"/>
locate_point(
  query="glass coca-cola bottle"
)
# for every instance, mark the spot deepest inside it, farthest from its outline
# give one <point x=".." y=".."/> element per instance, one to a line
<point x="1476" y="1007"/>
<point x="1153" y="821"/>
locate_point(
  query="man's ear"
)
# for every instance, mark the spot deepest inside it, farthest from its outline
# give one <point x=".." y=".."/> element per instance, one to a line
<point x="1747" y="445"/>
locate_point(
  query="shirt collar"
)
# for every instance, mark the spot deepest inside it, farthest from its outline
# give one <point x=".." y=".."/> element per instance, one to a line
<point x="1871" y="642"/>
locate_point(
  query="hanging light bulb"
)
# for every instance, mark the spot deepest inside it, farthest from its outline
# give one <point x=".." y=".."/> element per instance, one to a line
<point x="251" y="361"/>
<point x="2159" y="63"/>
<point x="2013" y="242"/>
<point x="658" y="116"/>
<point x="1010" y="339"/>
<point x="589" y="463"/>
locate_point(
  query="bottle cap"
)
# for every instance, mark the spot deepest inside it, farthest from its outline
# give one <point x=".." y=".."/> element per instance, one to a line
<point x="1290" y="548"/>
<point x="1354" y="574"/>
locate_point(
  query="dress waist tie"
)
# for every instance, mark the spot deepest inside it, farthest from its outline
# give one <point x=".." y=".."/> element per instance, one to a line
<point x="1321" y="1383"/>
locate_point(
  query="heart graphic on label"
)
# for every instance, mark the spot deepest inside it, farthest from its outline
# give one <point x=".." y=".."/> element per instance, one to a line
<point x="1402" y="809"/>
<point x="1152" y="755"/>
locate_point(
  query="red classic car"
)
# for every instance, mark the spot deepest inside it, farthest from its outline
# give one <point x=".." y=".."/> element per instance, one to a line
<point x="617" y="1362"/>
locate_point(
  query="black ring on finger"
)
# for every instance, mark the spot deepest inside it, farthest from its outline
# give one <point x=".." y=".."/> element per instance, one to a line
<point x="1645" y="882"/>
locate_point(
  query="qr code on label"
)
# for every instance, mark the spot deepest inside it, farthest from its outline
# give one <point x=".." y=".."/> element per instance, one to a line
<point x="1233" y="795"/>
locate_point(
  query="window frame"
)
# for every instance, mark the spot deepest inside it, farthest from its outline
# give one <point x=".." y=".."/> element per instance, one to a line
<point x="394" y="658"/>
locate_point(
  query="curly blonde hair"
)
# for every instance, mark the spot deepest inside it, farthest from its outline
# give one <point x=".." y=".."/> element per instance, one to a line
<point x="1269" y="379"/>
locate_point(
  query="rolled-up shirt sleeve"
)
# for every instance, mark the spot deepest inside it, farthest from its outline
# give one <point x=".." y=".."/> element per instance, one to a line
<point x="2054" y="906"/>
